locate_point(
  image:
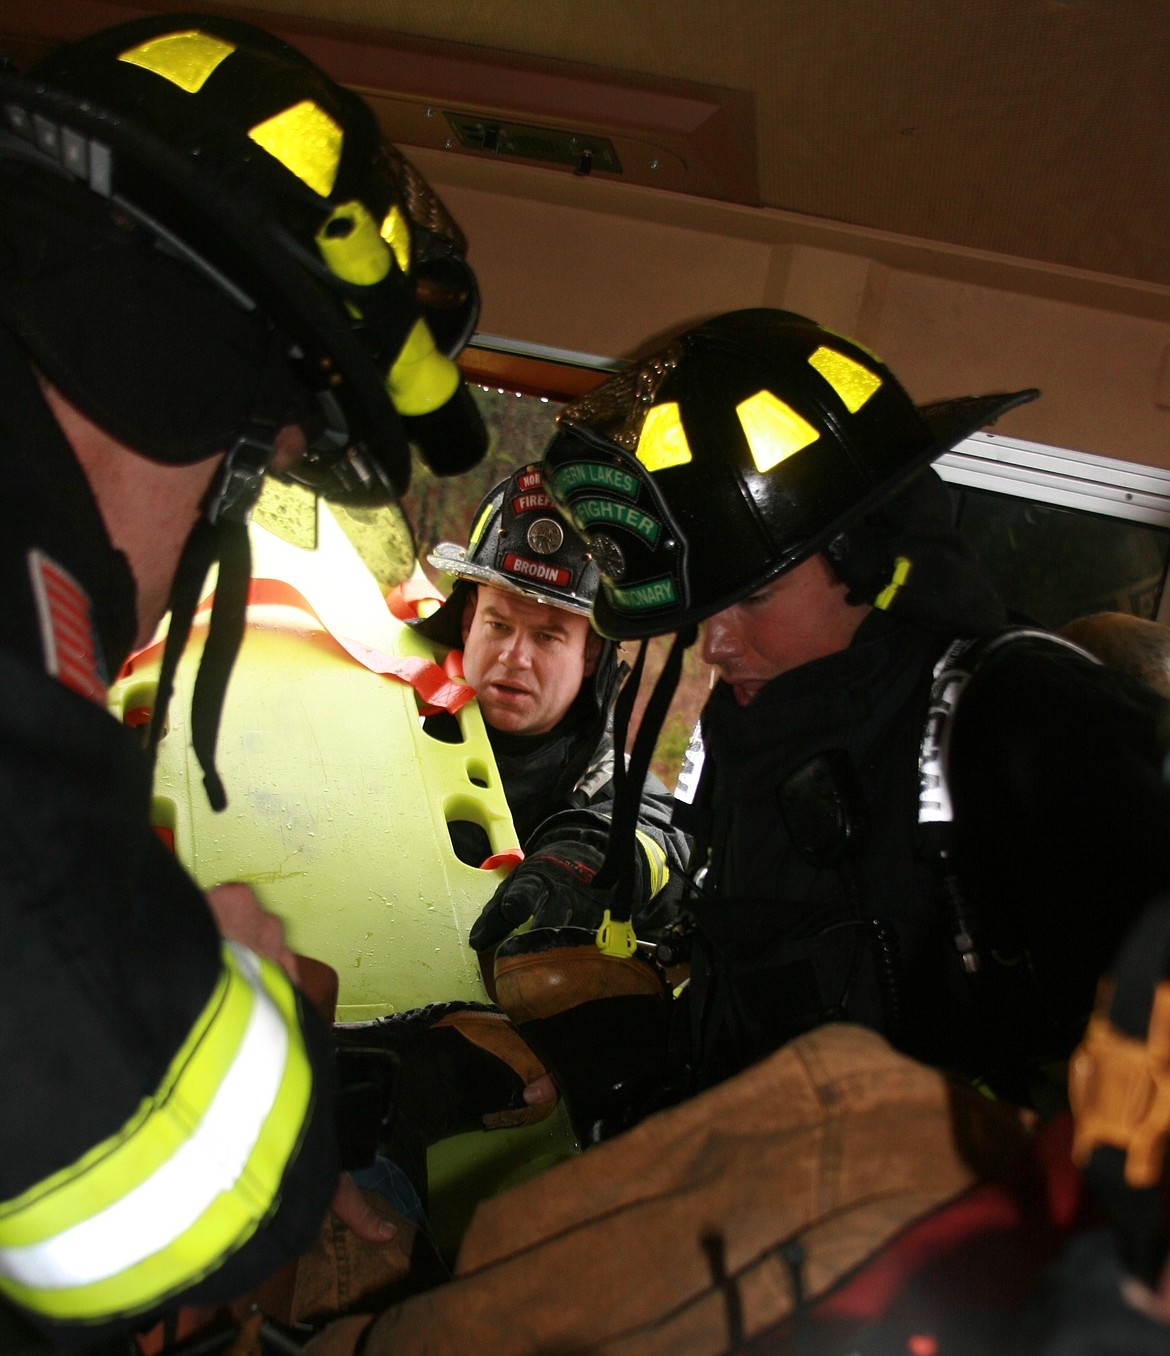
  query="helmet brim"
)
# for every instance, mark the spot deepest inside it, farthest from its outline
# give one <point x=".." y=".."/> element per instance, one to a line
<point x="451" y="559"/>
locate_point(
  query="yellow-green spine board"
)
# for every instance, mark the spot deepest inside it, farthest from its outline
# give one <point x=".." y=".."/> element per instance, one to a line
<point x="338" y="805"/>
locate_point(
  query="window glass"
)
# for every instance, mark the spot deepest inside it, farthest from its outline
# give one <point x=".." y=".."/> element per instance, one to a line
<point x="441" y="507"/>
<point x="1053" y="563"/>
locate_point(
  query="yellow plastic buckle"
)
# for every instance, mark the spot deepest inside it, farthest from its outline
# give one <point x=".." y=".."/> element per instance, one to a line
<point x="1119" y="1091"/>
<point x="616" y="939"/>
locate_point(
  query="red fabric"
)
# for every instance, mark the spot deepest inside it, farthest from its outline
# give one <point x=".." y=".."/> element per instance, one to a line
<point x="403" y="599"/>
<point x="67" y="633"/>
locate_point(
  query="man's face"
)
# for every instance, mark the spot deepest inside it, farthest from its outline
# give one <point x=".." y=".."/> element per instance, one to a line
<point x="526" y="660"/>
<point x="794" y="619"/>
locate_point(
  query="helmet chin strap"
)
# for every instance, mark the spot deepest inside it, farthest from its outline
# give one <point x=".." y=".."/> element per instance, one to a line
<point x="225" y="542"/>
<point x="221" y="537"/>
<point x="616" y="873"/>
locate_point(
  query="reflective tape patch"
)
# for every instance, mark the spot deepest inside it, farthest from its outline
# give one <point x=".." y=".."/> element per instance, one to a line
<point x="352" y="246"/>
<point x="852" y="382"/>
<point x="305" y="140"/>
<point x="773" y="429"/>
<point x="186" y="59"/>
<point x="663" y="441"/>
<point x="189" y="1178"/>
<point x="396" y="233"/>
<point x="480" y="524"/>
<point x="68" y="639"/>
<point x="655" y="860"/>
<point x="421" y="378"/>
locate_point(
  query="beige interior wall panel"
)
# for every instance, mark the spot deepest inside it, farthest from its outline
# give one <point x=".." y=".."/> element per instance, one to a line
<point x="595" y="283"/>
<point x="606" y="271"/>
<point x="842" y="291"/>
<point x="1098" y="372"/>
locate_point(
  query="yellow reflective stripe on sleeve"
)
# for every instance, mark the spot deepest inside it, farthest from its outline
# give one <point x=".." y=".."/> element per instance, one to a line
<point x="655" y="860"/>
<point x="190" y="1177"/>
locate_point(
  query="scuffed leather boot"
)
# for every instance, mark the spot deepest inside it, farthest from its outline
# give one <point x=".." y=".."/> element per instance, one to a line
<point x="599" y="1022"/>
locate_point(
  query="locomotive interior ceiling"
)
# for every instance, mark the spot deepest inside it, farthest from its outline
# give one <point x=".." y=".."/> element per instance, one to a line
<point x="1034" y="128"/>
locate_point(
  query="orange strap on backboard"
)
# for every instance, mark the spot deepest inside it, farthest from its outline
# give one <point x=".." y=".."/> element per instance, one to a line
<point x="438" y="688"/>
<point x="404" y="599"/>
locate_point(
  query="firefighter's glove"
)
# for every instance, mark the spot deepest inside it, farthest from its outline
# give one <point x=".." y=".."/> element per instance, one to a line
<point x="551" y="887"/>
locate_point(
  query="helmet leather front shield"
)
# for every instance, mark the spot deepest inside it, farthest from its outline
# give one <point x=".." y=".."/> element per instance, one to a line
<point x="520" y="543"/>
<point x="613" y="502"/>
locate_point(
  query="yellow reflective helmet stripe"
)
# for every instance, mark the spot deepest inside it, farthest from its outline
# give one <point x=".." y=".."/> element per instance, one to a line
<point x="663" y="440"/>
<point x="188" y="1179"/>
<point x="186" y="59"/>
<point x="853" y="382"/>
<point x="396" y="233"/>
<point x="774" y="430"/>
<point x="655" y="860"/>
<point x="482" y="522"/>
<point x="306" y="141"/>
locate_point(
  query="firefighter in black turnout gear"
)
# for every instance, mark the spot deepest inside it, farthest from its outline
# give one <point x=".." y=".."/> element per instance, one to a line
<point x="965" y="908"/>
<point x="546" y="683"/>
<point x="211" y="267"/>
<point x="559" y="781"/>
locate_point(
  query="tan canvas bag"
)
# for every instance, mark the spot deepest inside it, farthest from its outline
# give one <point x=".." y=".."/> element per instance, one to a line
<point x="679" y="1236"/>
